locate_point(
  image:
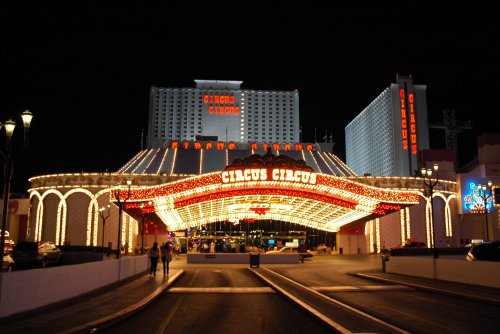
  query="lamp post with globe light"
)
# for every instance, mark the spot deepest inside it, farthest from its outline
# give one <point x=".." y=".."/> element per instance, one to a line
<point x="431" y="178"/>
<point x="8" y="159"/>
<point x="104" y="212"/>
<point x="482" y="193"/>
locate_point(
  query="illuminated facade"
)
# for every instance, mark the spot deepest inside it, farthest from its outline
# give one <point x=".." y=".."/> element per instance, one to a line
<point x="188" y="184"/>
<point x="221" y="109"/>
<point x="385" y="138"/>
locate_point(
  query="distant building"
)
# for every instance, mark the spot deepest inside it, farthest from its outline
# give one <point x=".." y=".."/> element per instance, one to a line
<point x="384" y="139"/>
<point x="221" y="110"/>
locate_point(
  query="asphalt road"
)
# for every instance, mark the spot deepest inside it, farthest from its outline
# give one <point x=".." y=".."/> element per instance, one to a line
<point x="231" y="298"/>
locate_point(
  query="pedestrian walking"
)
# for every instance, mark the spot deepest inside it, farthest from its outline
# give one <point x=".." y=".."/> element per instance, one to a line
<point x="177" y="250"/>
<point x="166" y="257"/>
<point x="153" y="254"/>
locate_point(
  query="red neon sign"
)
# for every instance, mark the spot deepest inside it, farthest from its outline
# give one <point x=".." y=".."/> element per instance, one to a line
<point x="404" y="123"/>
<point x="221" y="104"/>
<point x="413" y="124"/>
<point x="232" y="146"/>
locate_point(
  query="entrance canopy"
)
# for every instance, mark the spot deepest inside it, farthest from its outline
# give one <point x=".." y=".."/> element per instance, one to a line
<point x="290" y="192"/>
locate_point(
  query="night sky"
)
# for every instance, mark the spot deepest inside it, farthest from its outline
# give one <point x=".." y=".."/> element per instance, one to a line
<point x="85" y="70"/>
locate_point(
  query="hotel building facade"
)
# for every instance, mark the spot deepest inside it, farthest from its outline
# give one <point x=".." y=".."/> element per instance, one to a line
<point x="385" y="138"/>
<point x="223" y="111"/>
<point x="205" y="165"/>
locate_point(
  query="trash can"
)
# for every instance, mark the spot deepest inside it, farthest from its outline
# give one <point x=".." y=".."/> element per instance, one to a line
<point x="254" y="260"/>
<point x="385" y="258"/>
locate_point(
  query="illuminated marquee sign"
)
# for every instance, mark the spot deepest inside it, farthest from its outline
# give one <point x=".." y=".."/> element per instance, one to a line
<point x="408" y="121"/>
<point x="268" y="174"/>
<point x="259" y="208"/>
<point x="221" y="104"/>
<point x="232" y="146"/>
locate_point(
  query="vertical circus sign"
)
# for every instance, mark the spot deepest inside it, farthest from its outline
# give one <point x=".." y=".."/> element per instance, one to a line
<point x="408" y="121"/>
<point x="221" y="104"/>
<point x="413" y="124"/>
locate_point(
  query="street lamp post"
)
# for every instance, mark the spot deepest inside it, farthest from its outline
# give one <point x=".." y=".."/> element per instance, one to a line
<point x="430" y="181"/>
<point x="482" y="193"/>
<point x="8" y="158"/>
<point x="104" y="215"/>
<point x="121" y="202"/>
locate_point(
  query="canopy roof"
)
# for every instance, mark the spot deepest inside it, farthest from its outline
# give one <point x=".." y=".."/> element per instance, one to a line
<point x="264" y="187"/>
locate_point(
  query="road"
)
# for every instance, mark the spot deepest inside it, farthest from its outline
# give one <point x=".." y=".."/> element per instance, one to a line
<point x="238" y="299"/>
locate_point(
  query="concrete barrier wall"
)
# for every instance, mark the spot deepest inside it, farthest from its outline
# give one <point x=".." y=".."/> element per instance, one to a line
<point x="26" y="290"/>
<point x="218" y="258"/>
<point x="482" y="273"/>
<point x="411" y="266"/>
<point x="279" y="258"/>
<point x="243" y="258"/>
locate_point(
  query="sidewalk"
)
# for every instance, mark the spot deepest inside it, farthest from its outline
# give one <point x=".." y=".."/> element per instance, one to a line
<point x="471" y="292"/>
<point x="95" y="310"/>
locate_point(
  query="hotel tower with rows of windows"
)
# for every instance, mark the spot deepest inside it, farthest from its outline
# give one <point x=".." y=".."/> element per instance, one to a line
<point x="386" y="137"/>
<point x="221" y="110"/>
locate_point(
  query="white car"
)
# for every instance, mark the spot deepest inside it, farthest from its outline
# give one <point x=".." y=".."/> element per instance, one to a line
<point x="8" y="263"/>
<point x="291" y="249"/>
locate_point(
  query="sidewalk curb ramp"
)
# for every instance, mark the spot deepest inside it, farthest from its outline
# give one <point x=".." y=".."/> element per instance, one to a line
<point x="452" y="293"/>
<point x="111" y="319"/>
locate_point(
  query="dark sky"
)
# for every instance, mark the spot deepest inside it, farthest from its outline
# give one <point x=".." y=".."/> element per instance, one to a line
<point x="85" y="70"/>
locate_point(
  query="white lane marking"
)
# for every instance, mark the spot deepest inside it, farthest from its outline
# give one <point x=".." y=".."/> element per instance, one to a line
<point x="366" y="315"/>
<point x="165" y="322"/>
<point x="361" y="288"/>
<point x="265" y="289"/>
<point x="335" y="325"/>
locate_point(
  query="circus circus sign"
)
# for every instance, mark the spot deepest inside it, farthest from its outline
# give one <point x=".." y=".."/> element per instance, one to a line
<point x="259" y="208"/>
<point x="268" y="174"/>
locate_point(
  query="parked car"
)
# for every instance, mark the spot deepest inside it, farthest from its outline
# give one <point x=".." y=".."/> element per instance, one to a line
<point x="410" y="244"/>
<point x="474" y="242"/>
<point x="291" y="249"/>
<point x="36" y="253"/>
<point x="8" y="263"/>
<point x="8" y="243"/>
<point x="485" y="251"/>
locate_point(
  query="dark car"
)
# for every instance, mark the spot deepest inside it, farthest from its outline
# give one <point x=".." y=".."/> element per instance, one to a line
<point x="485" y="251"/>
<point x="410" y="244"/>
<point x="36" y="253"/>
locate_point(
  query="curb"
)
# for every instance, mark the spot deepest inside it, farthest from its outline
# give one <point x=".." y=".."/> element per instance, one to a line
<point x="476" y="298"/>
<point x="109" y="320"/>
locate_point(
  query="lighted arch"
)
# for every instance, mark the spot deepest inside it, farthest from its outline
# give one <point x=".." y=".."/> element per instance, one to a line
<point x="448" y="220"/>
<point x="94" y="209"/>
<point x="38" y="209"/>
<point x="89" y="211"/>
<point x="320" y="201"/>
<point x="39" y="218"/>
